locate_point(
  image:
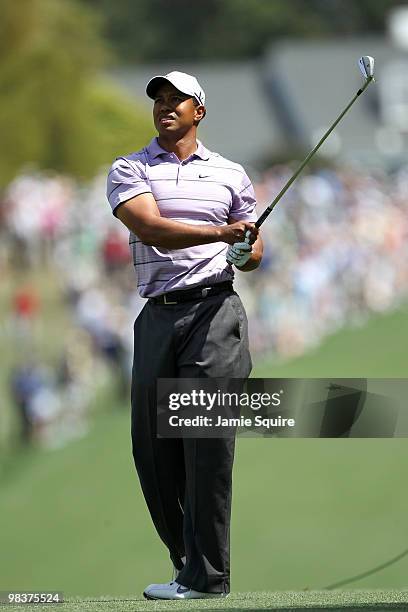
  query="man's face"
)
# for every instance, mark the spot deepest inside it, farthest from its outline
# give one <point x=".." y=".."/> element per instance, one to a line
<point x="174" y="111"/>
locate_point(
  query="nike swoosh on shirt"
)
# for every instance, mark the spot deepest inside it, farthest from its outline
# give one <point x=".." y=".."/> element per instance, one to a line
<point x="204" y="176"/>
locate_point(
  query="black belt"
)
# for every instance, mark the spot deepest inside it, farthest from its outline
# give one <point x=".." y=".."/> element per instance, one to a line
<point x="188" y="295"/>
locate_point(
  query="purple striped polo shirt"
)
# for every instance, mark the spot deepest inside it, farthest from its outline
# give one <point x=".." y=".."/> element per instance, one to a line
<point x="204" y="189"/>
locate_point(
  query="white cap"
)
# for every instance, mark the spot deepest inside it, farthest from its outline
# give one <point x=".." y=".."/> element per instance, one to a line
<point x="186" y="83"/>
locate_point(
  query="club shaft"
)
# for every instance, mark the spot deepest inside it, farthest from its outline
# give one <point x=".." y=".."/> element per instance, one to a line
<point x="284" y="189"/>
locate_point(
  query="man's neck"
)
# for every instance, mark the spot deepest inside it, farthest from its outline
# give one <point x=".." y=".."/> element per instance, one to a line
<point x="183" y="147"/>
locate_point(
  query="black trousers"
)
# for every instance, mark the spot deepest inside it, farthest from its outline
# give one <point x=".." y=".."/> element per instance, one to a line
<point x="187" y="482"/>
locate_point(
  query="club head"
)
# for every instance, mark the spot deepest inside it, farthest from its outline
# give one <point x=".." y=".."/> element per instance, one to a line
<point x="366" y="64"/>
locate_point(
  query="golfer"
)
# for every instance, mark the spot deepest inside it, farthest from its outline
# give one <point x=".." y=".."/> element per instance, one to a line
<point x="184" y="205"/>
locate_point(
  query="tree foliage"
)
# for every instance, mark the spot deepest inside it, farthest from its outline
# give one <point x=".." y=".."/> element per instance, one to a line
<point x="54" y="111"/>
<point x="157" y="30"/>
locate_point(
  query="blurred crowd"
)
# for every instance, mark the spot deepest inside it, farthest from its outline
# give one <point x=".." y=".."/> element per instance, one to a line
<point x="336" y="250"/>
<point x="50" y="224"/>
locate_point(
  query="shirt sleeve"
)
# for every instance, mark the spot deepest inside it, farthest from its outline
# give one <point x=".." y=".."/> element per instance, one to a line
<point x="125" y="180"/>
<point x="244" y="201"/>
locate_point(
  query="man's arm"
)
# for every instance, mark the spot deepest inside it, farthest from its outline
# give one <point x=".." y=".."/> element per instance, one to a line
<point x="256" y="254"/>
<point x="141" y="216"/>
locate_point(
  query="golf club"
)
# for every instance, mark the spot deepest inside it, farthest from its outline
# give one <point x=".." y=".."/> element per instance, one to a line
<point x="366" y="65"/>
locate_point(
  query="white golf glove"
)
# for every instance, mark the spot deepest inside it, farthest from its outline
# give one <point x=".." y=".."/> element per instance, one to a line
<point x="239" y="252"/>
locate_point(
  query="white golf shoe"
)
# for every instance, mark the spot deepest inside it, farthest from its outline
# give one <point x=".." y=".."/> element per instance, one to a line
<point x="174" y="590"/>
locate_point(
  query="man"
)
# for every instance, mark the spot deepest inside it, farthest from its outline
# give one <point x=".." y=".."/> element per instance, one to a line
<point x="183" y="205"/>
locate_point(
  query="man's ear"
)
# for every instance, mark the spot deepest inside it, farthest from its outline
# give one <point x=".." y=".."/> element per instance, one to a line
<point x="200" y="112"/>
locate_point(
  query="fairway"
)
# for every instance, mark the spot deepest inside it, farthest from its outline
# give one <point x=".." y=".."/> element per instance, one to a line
<point x="306" y="513"/>
<point x="377" y="349"/>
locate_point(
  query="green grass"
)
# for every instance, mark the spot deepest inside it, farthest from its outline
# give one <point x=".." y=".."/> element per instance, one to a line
<point x="369" y="601"/>
<point x="377" y="349"/>
<point x="306" y="513"/>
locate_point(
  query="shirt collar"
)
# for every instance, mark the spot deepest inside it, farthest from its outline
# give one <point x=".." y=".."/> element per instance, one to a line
<point x="202" y="152"/>
<point x="155" y="150"/>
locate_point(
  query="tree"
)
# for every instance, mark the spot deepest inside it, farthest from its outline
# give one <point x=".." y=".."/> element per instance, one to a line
<point x="162" y="30"/>
<point x="54" y="111"/>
